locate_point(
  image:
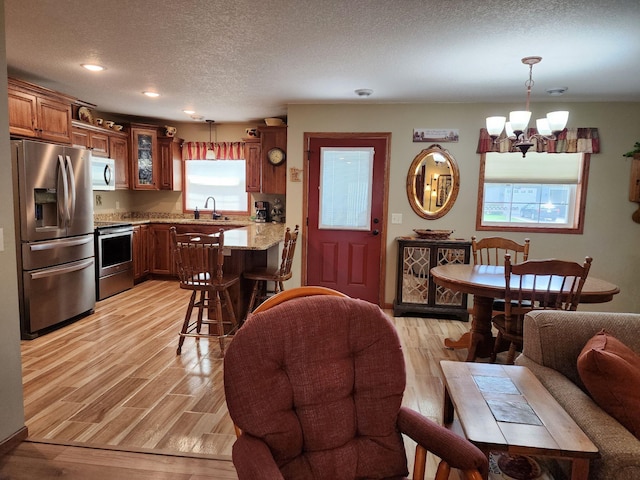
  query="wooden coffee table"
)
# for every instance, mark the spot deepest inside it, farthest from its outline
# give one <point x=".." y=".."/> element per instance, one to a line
<point x="505" y="408"/>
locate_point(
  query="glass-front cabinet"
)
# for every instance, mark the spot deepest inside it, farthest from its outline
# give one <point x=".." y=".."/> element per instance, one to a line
<point x="416" y="292"/>
<point x="144" y="158"/>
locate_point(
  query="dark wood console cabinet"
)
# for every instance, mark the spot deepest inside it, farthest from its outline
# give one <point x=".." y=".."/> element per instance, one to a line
<point x="416" y="292"/>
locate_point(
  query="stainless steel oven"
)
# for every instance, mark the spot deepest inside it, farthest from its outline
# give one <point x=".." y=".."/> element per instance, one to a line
<point x="114" y="258"/>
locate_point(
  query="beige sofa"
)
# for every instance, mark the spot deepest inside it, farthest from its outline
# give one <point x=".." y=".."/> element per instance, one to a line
<point x="552" y="342"/>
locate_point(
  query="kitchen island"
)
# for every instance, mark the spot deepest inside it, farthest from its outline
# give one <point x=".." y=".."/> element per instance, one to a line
<point x="247" y="245"/>
<point x="256" y="236"/>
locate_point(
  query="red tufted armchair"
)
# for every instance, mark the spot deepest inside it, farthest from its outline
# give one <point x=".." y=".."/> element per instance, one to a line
<point x="315" y="386"/>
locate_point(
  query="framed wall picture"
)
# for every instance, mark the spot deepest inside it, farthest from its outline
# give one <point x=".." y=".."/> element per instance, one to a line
<point x="444" y="187"/>
<point x="435" y="135"/>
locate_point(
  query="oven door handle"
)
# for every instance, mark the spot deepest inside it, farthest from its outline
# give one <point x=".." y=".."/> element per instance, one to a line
<point x="115" y="231"/>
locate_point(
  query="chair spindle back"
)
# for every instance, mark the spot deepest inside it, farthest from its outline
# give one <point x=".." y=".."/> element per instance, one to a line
<point x="538" y="283"/>
<point x="491" y="250"/>
<point x="199" y="258"/>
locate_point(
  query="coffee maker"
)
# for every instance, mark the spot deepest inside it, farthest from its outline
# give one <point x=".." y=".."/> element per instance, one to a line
<point x="262" y="212"/>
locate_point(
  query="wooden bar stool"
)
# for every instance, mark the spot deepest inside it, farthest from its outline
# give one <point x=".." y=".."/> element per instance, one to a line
<point x="261" y="276"/>
<point x="199" y="259"/>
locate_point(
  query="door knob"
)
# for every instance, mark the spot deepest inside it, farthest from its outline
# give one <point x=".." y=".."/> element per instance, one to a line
<point x="375" y="232"/>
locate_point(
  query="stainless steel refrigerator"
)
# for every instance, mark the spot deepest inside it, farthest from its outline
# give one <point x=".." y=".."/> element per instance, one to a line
<point x="53" y="203"/>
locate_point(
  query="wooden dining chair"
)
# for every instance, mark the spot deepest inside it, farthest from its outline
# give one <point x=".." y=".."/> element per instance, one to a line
<point x="491" y="251"/>
<point x="200" y="260"/>
<point x="536" y="287"/>
<point x="278" y="276"/>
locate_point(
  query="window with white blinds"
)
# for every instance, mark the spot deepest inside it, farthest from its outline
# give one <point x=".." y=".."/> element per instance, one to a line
<point x="346" y="179"/>
<point x="540" y="192"/>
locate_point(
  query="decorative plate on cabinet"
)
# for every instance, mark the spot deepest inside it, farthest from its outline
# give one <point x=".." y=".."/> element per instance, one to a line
<point x="433" y="234"/>
<point x="85" y="115"/>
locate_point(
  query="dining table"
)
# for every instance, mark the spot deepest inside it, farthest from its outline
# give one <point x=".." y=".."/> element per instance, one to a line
<point x="487" y="283"/>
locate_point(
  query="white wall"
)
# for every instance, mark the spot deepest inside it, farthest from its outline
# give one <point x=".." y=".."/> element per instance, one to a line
<point x="610" y="236"/>
<point x="11" y="405"/>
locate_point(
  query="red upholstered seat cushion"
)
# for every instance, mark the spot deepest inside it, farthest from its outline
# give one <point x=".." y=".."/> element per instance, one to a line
<point x="321" y="400"/>
<point x="611" y="372"/>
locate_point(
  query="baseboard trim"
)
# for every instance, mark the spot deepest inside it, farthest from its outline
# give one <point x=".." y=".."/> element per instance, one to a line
<point x="14" y="440"/>
<point x="116" y="448"/>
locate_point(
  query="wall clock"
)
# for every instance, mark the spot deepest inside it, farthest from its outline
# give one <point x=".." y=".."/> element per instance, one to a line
<point x="276" y="156"/>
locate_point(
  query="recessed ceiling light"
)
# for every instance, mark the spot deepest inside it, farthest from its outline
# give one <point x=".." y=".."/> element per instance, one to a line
<point x="189" y="112"/>
<point x="151" y="94"/>
<point x="93" y="67"/>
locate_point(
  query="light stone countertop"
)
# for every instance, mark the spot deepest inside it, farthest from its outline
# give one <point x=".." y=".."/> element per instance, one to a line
<point x="245" y="234"/>
<point x="257" y="236"/>
<point x="251" y="236"/>
<point x="192" y="221"/>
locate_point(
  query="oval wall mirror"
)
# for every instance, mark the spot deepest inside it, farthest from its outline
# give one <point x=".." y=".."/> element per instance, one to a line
<point x="433" y="182"/>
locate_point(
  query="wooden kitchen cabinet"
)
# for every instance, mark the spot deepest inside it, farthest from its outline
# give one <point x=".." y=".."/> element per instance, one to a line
<point x="416" y="292"/>
<point x="80" y="138"/>
<point x="170" y="149"/>
<point x="140" y="252"/>
<point x="91" y="138"/>
<point x="36" y="112"/>
<point x="99" y="144"/>
<point x="145" y="162"/>
<point x="119" y="151"/>
<point x="273" y="178"/>
<point x="104" y="142"/>
<point x="253" y="162"/>
<point x="160" y="257"/>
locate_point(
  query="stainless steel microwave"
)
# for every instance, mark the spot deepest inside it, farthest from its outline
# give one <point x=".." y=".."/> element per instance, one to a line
<point x="103" y="173"/>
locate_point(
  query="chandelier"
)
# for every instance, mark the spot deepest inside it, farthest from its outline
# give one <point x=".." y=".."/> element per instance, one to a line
<point x="516" y="128"/>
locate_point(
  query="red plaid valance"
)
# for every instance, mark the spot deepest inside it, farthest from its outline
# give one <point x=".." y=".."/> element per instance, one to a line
<point x="570" y="140"/>
<point x="223" y="150"/>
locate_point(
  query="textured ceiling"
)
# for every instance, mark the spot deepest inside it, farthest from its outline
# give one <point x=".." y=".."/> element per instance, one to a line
<point x="242" y="60"/>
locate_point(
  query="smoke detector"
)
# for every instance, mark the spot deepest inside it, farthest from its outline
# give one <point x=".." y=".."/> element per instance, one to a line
<point x="557" y="91"/>
<point x="363" y="92"/>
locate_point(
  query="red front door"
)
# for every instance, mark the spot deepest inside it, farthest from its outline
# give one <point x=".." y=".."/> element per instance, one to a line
<point x="346" y="203"/>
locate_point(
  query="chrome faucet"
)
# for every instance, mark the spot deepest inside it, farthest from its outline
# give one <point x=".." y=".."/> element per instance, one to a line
<point x="215" y="215"/>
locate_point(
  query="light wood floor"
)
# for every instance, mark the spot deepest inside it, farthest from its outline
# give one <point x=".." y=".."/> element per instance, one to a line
<point x="112" y="381"/>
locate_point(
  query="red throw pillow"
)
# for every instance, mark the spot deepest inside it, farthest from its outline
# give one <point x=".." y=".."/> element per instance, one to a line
<point x="611" y="372"/>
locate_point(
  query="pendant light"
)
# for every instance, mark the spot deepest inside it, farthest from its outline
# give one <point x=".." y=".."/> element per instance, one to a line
<point x="211" y="155"/>
<point x="516" y="128"/>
